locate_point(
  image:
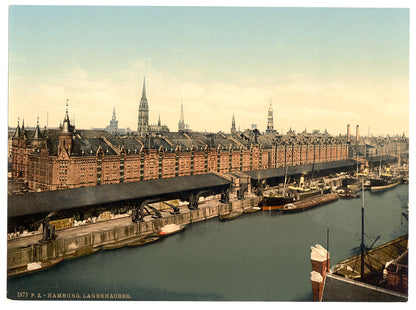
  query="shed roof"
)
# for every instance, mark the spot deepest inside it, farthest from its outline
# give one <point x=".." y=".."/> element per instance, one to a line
<point x="43" y="202"/>
<point x="300" y="169"/>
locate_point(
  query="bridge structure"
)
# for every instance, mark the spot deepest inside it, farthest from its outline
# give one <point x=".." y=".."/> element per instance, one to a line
<point x="31" y="209"/>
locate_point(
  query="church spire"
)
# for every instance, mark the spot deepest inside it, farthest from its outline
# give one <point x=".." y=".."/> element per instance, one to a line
<point x="181" y="124"/>
<point x="144" y="89"/>
<point x="143" y="119"/>
<point x="233" y="125"/>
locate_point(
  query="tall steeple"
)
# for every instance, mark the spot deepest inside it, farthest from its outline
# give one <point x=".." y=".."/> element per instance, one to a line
<point x="270" y="127"/>
<point x="233" y="125"/>
<point x="143" y="119"/>
<point x="144" y="89"/>
<point x="181" y="124"/>
<point x="114" y="113"/>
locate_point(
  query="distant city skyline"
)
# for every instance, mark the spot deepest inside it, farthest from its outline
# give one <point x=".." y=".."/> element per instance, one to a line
<point x="323" y="68"/>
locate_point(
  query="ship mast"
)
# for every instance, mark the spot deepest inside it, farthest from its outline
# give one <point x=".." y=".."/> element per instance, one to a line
<point x="362" y="246"/>
<point x="284" y="185"/>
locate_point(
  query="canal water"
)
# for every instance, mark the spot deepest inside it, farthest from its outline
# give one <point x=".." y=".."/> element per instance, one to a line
<point x="263" y="256"/>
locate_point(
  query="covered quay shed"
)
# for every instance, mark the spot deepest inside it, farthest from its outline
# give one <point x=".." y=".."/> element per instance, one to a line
<point x="28" y="210"/>
<point x="275" y="176"/>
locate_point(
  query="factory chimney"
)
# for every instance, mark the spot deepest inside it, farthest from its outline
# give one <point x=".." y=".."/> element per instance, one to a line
<point x="348" y="133"/>
<point x="357" y="133"/>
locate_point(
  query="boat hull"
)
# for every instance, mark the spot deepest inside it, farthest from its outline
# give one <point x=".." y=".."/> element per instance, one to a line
<point x="274" y="202"/>
<point x="230" y="216"/>
<point x="25" y="269"/>
<point x="309" y="203"/>
<point x="143" y="241"/>
<point x="383" y="187"/>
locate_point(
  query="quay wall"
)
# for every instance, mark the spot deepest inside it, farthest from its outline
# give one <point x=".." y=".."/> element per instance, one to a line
<point x="71" y="246"/>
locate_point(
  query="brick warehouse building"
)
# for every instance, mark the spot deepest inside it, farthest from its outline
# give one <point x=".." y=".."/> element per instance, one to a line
<point x="69" y="158"/>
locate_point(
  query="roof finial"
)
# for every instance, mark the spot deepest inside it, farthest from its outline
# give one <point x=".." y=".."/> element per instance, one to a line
<point x="67" y="101"/>
<point x="37" y="121"/>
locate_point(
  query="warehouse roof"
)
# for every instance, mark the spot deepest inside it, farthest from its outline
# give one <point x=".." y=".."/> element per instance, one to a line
<point x="43" y="202"/>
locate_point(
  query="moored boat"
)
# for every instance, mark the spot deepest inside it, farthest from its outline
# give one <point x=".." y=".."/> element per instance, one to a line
<point x="384" y="181"/>
<point x="169" y="229"/>
<point x="121" y="243"/>
<point x="81" y="252"/>
<point x="143" y="241"/>
<point x="230" y="215"/>
<point x="274" y="202"/>
<point x="309" y="203"/>
<point x="387" y="186"/>
<point x="33" y="267"/>
<point x="251" y="210"/>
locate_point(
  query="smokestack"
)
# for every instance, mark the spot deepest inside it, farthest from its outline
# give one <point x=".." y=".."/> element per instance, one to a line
<point x="320" y="268"/>
<point x="348" y="133"/>
<point x="357" y="133"/>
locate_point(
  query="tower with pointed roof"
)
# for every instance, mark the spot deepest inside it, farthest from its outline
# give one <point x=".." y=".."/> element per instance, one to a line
<point x="270" y="127"/>
<point x="37" y="136"/>
<point x="143" y="119"/>
<point x="233" y="130"/>
<point x="181" y="124"/>
<point x="66" y="132"/>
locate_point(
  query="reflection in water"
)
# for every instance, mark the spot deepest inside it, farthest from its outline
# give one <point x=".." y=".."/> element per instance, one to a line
<point x="259" y="256"/>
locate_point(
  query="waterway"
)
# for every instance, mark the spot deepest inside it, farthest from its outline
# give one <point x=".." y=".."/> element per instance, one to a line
<point x="263" y="256"/>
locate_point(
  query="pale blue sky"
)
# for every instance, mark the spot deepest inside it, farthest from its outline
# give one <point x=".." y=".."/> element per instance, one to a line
<point x="323" y="68"/>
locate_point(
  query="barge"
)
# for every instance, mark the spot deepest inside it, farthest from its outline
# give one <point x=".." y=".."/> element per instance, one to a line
<point x="309" y="203"/>
<point x="230" y="215"/>
<point x="33" y="267"/>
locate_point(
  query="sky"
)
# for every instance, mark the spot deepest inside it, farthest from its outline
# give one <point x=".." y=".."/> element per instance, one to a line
<point x="321" y="68"/>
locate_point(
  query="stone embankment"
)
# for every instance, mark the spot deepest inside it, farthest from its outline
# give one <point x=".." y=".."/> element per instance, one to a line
<point x="83" y="240"/>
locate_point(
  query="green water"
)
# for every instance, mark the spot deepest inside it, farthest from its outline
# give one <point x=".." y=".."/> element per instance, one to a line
<point x="261" y="256"/>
